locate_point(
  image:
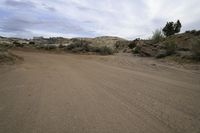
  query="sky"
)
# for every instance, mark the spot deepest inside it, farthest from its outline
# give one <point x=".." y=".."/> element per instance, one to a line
<point x="90" y="18"/>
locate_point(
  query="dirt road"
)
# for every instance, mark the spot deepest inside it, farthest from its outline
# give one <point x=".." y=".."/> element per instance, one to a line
<point x="49" y="93"/>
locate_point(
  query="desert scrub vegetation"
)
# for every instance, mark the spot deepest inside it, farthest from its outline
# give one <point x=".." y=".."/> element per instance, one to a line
<point x="6" y="45"/>
<point x="17" y="44"/>
<point x="194" y="32"/>
<point x="31" y="43"/>
<point x="171" y="47"/>
<point x="136" y="50"/>
<point x="46" y="46"/>
<point x="121" y="45"/>
<point x="104" y="50"/>
<point x="50" y="47"/>
<point x="157" y="36"/>
<point x="83" y="48"/>
<point x="7" y="57"/>
<point x="132" y="45"/>
<point x="78" y="47"/>
<point x="196" y="49"/>
<point x="3" y="49"/>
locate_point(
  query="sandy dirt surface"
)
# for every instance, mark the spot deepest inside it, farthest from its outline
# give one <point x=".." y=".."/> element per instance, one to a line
<point x="56" y="93"/>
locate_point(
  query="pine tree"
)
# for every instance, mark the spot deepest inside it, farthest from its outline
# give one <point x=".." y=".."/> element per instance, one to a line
<point x="177" y="26"/>
<point x="171" y="28"/>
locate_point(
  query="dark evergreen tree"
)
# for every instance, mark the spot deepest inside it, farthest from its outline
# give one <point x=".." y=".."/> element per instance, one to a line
<point x="177" y="26"/>
<point x="171" y="28"/>
<point x="168" y="29"/>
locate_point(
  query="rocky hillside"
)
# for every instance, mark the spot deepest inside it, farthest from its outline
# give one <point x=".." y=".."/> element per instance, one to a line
<point x="102" y="45"/>
<point x="185" y="45"/>
<point x="104" y="41"/>
<point x="98" y="41"/>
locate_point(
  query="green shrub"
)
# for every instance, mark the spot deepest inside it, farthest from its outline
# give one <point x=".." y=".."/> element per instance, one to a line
<point x="136" y="50"/>
<point x="79" y="47"/>
<point x="72" y="46"/>
<point x="3" y="49"/>
<point x="196" y="49"/>
<point x="61" y="46"/>
<point x="187" y="31"/>
<point x="6" y="45"/>
<point x="198" y="33"/>
<point x="17" y="44"/>
<point x="40" y="46"/>
<point x="157" y="36"/>
<point x="32" y="43"/>
<point x="50" y="47"/>
<point x="170" y="47"/>
<point x="46" y="47"/>
<point x="132" y="45"/>
<point x="82" y="47"/>
<point x="104" y="50"/>
<point x="77" y="50"/>
<point x="193" y="31"/>
<point x="119" y="45"/>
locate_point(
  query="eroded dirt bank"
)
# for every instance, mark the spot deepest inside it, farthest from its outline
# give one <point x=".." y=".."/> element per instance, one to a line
<point x="51" y="93"/>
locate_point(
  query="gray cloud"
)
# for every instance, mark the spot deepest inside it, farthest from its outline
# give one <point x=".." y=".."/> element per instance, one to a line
<point x="124" y="18"/>
<point x="20" y="4"/>
<point x="24" y="25"/>
<point x="50" y="8"/>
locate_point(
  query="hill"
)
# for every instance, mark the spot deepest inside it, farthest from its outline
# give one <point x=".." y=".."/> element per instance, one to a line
<point x="184" y="45"/>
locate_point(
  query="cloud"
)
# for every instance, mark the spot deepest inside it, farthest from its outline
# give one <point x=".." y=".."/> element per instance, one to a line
<point x="19" y="4"/>
<point x="89" y="18"/>
<point x="37" y="24"/>
<point x="50" y="8"/>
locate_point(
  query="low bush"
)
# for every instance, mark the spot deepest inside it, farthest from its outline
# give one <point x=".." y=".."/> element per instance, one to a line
<point x="82" y="48"/>
<point x="3" y="49"/>
<point x="46" y="47"/>
<point x="17" y="44"/>
<point x="7" y="57"/>
<point x="72" y="46"/>
<point x="77" y="50"/>
<point x="170" y="47"/>
<point x="40" y="46"/>
<point x="50" y="47"/>
<point x="120" y="45"/>
<point x="61" y="46"/>
<point x="32" y="43"/>
<point x="196" y="49"/>
<point x="194" y="32"/>
<point x="6" y="45"/>
<point x="104" y="50"/>
<point x="157" y="36"/>
<point x="132" y="45"/>
<point x="136" y="50"/>
<point x="187" y="31"/>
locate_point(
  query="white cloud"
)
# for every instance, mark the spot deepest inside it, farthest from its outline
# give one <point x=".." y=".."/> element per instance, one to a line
<point x="124" y="18"/>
